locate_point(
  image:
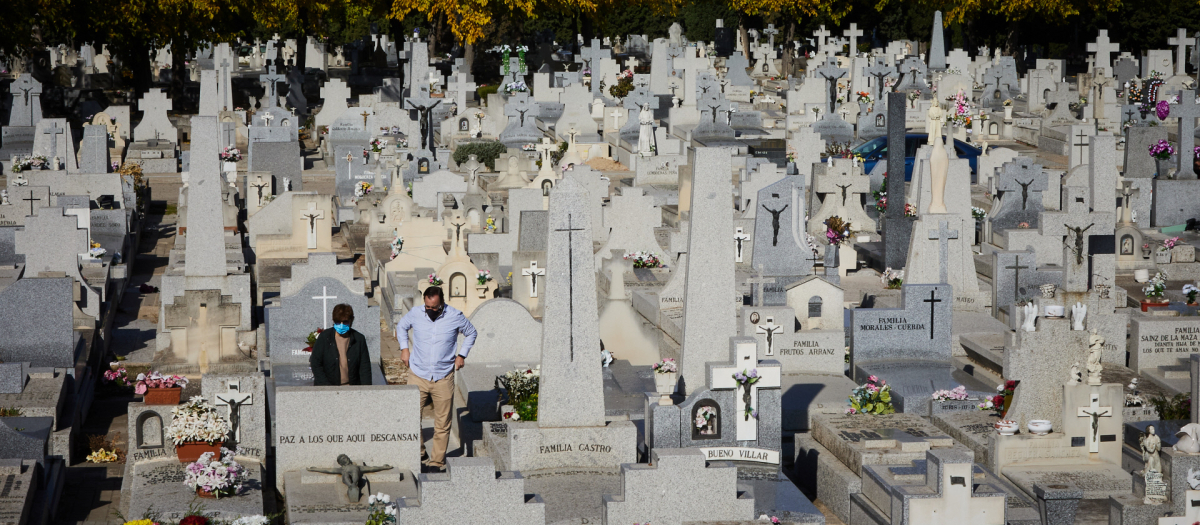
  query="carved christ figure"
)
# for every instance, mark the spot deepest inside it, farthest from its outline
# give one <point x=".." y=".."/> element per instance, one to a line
<point x="775" y="222"/>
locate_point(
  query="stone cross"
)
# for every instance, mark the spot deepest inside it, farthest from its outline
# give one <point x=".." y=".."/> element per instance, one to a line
<point x="770" y="329"/>
<point x="745" y="361"/>
<point x="853" y="33"/>
<point x="1016" y="268"/>
<point x="324" y="298"/>
<point x="821" y="35"/>
<point x="462" y="86"/>
<point x="831" y="73"/>
<point x="590" y="57"/>
<point x="943" y="235"/>
<point x="739" y="239"/>
<point x="1081" y="142"/>
<point x="271" y="78"/>
<point x="1062" y="98"/>
<point x="616" y="116"/>
<point x="522" y="106"/>
<point x="1095" y="412"/>
<point x="1103" y="49"/>
<point x="756" y="281"/>
<point x="1072" y="226"/>
<point x="234" y="398"/>
<point x="24" y="86"/>
<point x="1181" y="43"/>
<point x="54" y="131"/>
<point x="880" y="71"/>
<point x="533" y="272"/>
<point x="312" y="214"/>
<point x="1187" y="110"/>
<point x="770" y="31"/>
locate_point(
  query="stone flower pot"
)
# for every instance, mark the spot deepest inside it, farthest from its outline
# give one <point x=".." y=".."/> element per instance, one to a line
<point x="1163" y="167"/>
<point x="1039" y="427"/>
<point x="1162" y="255"/>
<point x="664" y="384"/>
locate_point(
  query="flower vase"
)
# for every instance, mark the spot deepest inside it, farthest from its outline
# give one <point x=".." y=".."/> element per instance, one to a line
<point x="1162" y="256"/>
<point x="1007" y="112"/>
<point x="375" y="156"/>
<point x="190" y="451"/>
<point x="1146" y="252"/>
<point x="664" y="384"/>
<point x="229" y="166"/>
<point x="217" y="494"/>
<point x="1163" y="167"/>
<point x="162" y="396"/>
<point x="482" y="288"/>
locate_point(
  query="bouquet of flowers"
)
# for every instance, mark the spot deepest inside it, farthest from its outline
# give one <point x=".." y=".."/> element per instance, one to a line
<point x="864" y="97"/>
<point x="644" y="260"/>
<point x="377" y="145"/>
<point x="1008" y="102"/>
<point x="744" y="380"/>
<point x="978" y="213"/>
<point x="1162" y="150"/>
<point x="838" y="150"/>
<point x="382" y="510"/>
<point x="1170" y="242"/>
<point x="997" y="401"/>
<point x="220" y="477"/>
<point x="874" y="397"/>
<point x="1156" y="286"/>
<point x="434" y="280"/>
<point x="1162" y="110"/>
<point x="119" y="376"/>
<point x="958" y="394"/>
<point x="624" y="84"/>
<point x="704" y="419"/>
<point x="522" y="388"/>
<point x="1190" y="291"/>
<point x="362" y="188"/>
<point x="197" y="420"/>
<point x="102" y="456"/>
<point x="231" y="154"/>
<point x="311" y="339"/>
<point x="528" y="147"/>
<point x="837" y="230"/>
<point x="397" y="244"/>
<point x="490" y="224"/>
<point x="30" y="162"/>
<point x="961" y="115"/>
<point x="666" y="366"/>
<point x="483" y="277"/>
<point x="516" y="87"/>
<point x="157" y="380"/>
<point x="892" y="279"/>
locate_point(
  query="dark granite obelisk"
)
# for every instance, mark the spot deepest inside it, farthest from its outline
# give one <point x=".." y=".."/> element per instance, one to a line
<point x="897" y="229"/>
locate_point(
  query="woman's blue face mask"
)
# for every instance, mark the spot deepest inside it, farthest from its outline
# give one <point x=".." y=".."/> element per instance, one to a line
<point x="341" y="328"/>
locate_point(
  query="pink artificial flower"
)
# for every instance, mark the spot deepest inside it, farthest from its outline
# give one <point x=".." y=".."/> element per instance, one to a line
<point x="872" y="379"/>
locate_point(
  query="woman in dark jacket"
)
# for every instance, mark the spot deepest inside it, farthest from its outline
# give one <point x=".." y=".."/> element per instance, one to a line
<point x="340" y="356"/>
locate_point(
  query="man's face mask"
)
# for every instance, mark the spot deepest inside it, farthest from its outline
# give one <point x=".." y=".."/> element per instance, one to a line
<point x="341" y="328"/>
<point x="433" y="312"/>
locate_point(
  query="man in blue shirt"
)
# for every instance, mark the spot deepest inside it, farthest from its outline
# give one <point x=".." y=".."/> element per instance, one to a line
<point x="433" y="361"/>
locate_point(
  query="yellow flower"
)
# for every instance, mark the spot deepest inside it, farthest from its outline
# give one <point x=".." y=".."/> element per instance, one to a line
<point x="140" y="522"/>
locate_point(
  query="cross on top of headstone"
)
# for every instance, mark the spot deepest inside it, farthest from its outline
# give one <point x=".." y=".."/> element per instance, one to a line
<point x="943" y="234"/>
<point x="1103" y="48"/>
<point x="271" y="78"/>
<point x="853" y="33"/>
<point x="522" y="106"/>
<point x="770" y="31"/>
<point x="1023" y="175"/>
<point x="821" y="34"/>
<point x="1181" y="43"/>
<point x="25" y="86"/>
<point x="831" y="73"/>
<point x="880" y="71"/>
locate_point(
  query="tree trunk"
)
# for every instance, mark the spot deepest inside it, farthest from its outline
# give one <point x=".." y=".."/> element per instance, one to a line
<point x="1014" y="36"/>
<point x="398" y="36"/>
<point x="302" y="40"/>
<point x="142" y="77"/>
<point x="788" y="50"/>
<point x="179" y="75"/>
<point x="468" y="58"/>
<point x="433" y="37"/>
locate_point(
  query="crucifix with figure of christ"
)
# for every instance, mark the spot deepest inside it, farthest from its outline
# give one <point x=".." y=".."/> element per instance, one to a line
<point x="271" y="78"/>
<point x="1095" y="413"/>
<point x="571" y="229"/>
<point x="739" y="238"/>
<point x="234" y="398"/>
<point x="831" y="73"/>
<point x="769" y="329"/>
<point x="312" y="215"/>
<point x="745" y="360"/>
<point x="533" y="272"/>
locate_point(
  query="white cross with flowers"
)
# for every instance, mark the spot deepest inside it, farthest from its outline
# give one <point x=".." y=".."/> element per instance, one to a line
<point x="745" y="376"/>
